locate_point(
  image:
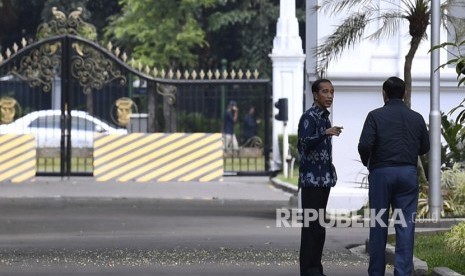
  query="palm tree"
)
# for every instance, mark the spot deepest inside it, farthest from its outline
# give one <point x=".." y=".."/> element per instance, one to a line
<point x="360" y="13"/>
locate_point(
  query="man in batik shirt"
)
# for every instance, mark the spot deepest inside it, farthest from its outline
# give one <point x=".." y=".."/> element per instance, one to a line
<point x="316" y="173"/>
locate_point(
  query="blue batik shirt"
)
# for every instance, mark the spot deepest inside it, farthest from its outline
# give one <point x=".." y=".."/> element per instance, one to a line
<point x="315" y="149"/>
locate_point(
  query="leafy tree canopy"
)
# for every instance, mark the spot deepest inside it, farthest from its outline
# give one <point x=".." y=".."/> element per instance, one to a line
<point x="242" y="33"/>
<point x="200" y="34"/>
<point x="162" y="32"/>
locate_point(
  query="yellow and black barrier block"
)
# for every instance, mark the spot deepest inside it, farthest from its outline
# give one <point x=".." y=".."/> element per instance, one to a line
<point x="17" y="157"/>
<point x="160" y="157"/>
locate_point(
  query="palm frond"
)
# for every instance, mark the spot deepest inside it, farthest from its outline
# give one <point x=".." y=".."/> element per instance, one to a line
<point x="338" y="6"/>
<point x="452" y="17"/>
<point x="452" y="4"/>
<point x="390" y="25"/>
<point x="416" y="6"/>
<point x="348" y="33"/>
<point x="456" y="26"/>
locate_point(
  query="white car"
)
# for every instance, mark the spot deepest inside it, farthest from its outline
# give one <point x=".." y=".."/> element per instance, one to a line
<point x="45" y="125"/>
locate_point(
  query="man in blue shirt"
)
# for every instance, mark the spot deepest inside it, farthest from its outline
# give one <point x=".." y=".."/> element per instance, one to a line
<point x="392" y="138"/>
<point x="316" y="173"/>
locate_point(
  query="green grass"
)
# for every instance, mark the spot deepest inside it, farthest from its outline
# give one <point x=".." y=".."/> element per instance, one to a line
<point x="431" y="248"/>
<point x="244" y="164"/>
<point x="52" y="165"/>
<point x="291" y="180"/>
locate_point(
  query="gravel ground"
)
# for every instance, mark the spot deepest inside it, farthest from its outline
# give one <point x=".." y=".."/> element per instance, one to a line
<point x="167" y="257"/>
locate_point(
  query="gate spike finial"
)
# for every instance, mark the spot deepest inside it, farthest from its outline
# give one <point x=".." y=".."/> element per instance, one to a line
<point x="23" y="42"/>
<point x="109" y="46"/>
<point x="117" y="51"/>
<point x="178" y="74"/>
<point x="155" y="72"/>
<point x="209" y="74"/>
<point x="255" y="73"/>
<point x="194" y="75"/>
<point x="15" y="47"/>
<point x="202" y="74"/>
<point x="8" y="53"/>
<point x="1" y="58"/>
<point x="163" y="73"/>
<point x="233" y="74"/>
<point x="225" y="74"/>
<point x="170" y="74"/>
<point x="217" y="74"/>
<point x="240" y="74"/>
<point x="147" y="70"/>
<point x="186" y="74"/>
<point x="124" y="57"/>
<point x="248" y="74"/>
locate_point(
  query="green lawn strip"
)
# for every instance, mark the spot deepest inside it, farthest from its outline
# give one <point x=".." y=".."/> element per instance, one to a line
<point x="291" y="180"/>
<point x="431" y="248"/>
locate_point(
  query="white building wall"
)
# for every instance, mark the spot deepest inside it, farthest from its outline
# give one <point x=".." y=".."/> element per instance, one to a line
<point x="358" y="76"/>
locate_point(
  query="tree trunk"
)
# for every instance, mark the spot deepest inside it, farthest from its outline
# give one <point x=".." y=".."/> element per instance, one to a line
<point x="414" y="43"/>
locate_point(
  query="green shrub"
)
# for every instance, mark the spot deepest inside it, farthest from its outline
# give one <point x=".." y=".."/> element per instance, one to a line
<point x="292" y="139"/>
<point x="455" y="239"/>
<point x="453" y="186"/>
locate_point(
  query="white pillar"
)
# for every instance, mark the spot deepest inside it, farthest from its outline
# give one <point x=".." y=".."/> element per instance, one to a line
<point x="311" y="43"/>
<point x="288" y="71"/>
<point x="56" y="93"/>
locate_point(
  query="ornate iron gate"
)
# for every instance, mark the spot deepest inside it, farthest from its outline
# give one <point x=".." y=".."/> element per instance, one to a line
<point x="65" y="88"/>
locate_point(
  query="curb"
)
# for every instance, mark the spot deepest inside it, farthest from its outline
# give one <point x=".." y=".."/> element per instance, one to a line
<point x="284" y="186"/>
<point x="443" y="271"/>
<point x="420" y="267"/>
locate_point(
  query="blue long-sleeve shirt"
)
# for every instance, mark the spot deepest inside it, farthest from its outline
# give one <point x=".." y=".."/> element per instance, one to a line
<point x="393" y="135"/>
<point x="315" y="149"/>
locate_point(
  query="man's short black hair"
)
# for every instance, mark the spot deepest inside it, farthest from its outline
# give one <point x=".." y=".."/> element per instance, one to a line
<point x="316" y="84"/>
<point x="394" y="88"/>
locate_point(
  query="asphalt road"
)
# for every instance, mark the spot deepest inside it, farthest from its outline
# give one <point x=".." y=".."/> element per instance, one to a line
<point x="130" y="236"/>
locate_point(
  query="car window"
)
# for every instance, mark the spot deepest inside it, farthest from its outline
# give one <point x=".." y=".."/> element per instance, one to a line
<point x="49" y="121"/>
<point x="82" y="124"/>
<point x="53" y="121"/>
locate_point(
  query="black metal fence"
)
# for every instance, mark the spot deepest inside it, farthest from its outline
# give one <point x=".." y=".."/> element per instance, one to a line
<point x="180" y="106"/>
<point x="65" y="88"/>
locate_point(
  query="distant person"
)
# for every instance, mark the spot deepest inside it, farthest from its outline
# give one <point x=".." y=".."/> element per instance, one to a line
<point x="392" y="138"/>
<point x="230" y="119"/>
<point x="316" y="173"/>
<point x="250" y="125"/>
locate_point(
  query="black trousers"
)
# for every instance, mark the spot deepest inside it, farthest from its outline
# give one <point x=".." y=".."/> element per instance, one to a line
<point x="313" y="237"/>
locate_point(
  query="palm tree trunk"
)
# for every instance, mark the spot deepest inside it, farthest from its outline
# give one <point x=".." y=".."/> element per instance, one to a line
<point x="414" y="43"/>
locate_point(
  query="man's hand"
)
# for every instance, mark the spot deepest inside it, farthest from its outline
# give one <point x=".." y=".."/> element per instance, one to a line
<point x="335" y="130"/>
